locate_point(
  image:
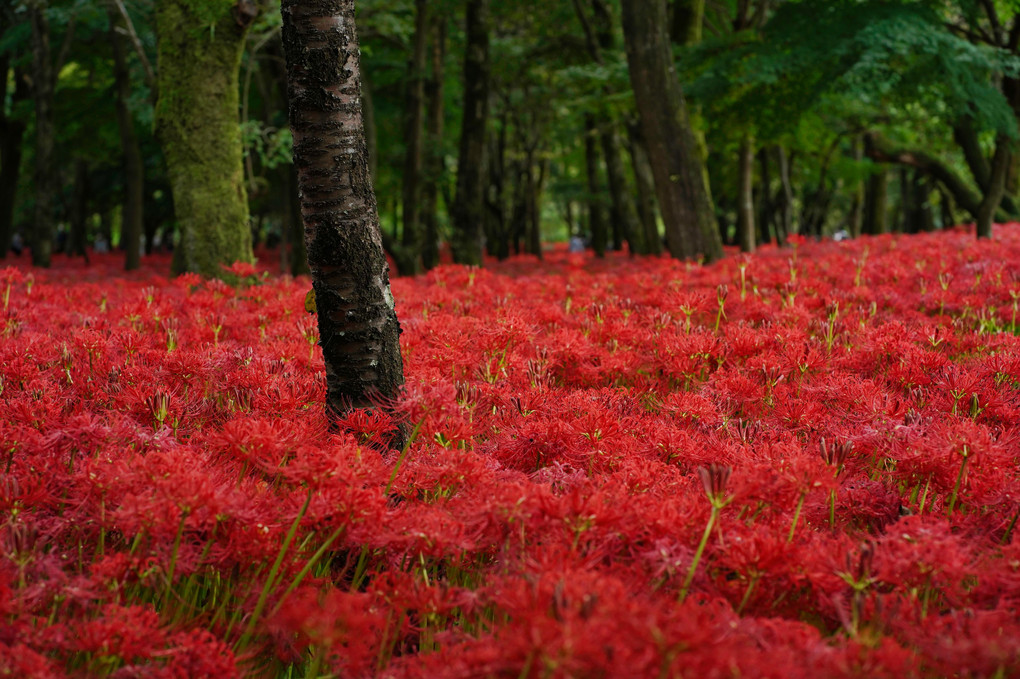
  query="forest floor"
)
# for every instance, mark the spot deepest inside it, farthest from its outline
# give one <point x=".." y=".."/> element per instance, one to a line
<point x="802" y="463"/>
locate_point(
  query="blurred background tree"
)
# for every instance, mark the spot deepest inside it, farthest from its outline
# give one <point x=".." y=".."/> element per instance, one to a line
<point x="494" y="128"/>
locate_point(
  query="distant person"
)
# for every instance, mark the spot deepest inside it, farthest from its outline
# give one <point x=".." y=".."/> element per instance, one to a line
<point x="101" y="244"/>
<point x="17" y="244"/>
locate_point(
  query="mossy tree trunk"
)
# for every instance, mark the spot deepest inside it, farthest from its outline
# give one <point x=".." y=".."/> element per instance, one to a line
<point x="358" y="326"/>
<point x="197" y="122"/>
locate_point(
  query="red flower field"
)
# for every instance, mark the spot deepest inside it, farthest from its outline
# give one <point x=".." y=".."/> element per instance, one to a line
<point x="798" y="464"/>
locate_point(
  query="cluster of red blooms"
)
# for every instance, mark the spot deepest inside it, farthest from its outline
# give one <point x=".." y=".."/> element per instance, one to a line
<point x="798" y="464"/>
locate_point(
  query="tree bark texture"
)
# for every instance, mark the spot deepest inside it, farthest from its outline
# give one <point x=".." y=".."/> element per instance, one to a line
<point x="679" y="173"/>
<point x="468" y="208"/>
<point x="358" y="326"/>
<point x="46" y="182"/>
<point x="996" y="187"/>
<point x="133" y="216"/>
<point x="196" y="120"/>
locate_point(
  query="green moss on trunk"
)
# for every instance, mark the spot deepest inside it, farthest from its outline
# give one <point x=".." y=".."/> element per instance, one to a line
<point x="200" y="45"/>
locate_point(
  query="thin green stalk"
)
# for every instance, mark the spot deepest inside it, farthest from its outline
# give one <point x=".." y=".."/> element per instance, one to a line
<point x="747" y="592"/>
<point x="796" y="516"/>
<point x="271" y="578"/>
<point x="697" y="554"/>
<point x="307" y="568"/>
<point x="173" y="560"/>
<point x="959" y="481"/>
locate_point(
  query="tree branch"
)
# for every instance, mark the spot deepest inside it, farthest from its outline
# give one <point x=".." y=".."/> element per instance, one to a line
<point x="883" y="151"/>
<point x="129" y="30"/>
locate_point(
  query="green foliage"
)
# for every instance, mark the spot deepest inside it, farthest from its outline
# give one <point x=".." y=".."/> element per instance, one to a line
<point x="880" y="53"/>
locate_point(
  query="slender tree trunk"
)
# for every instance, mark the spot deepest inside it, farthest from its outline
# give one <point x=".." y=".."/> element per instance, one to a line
<point x="745" y="195"/>
<point x="876" y="219"/>
<point x="133" y="215"/>
<point x="598" y="224"/>
<point x="786" y="212"/>
<point x="469" y="203"/>
<point x="78" y="236"/>
<point x="679" y="173"/>
<point x="46" y="181"/>
<point x="414" y="137"/>
<point x="197" y="124"/>
<point x="645" y="182"/>
<point x="358" y="326"/>
<point x="765" y="203"/>
<point x="855" y="220"/>
<point x="434" y="145"/>
<point x="536" y="182"/>
<point x="996" y="187"/>
<point x="623" y="205"/>
<point x="12" y="133"/>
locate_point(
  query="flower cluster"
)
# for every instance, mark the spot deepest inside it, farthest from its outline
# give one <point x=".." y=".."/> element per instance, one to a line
<point x="798" y="464"/>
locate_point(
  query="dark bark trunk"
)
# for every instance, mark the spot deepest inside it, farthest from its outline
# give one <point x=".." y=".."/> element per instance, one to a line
<point x="133" y="211"/>
<point x="855" y="220"/>
<point x="434" y="146"/>
<point x="688" y="18"/>
<point x="414" y="137"/>
<point x="371" y="133"/>
<point x="12" y="134"/>
<point x="469" y="203"/>
<point x="623" y="205"/>
<point x="495" y="197"/>
<point x="764" y="202"/>
<point x="875" y="212"/>
<point x="197" y="122"/>
<point x="678" y="169"/>
<point x="78" y="237"/>
<point x="536" y="182"/>
<point x="598" y="225"/>
<point x="645" y="182"/>
<point x="46" y="181"/>
<point x="996" y="187"/>
<point x="785" y="225"/>
<point x="745" y="195"/>
<point x="358" y="326"/>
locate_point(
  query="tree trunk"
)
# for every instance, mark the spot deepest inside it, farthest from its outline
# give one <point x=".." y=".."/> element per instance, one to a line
<point x="679" y="173"/>
<point x="645" y="182"/>
<point x="786" y="212"/>
<point x="688" y="18"/>
<point x="12" y="133"/>
<point x="623" y="205"/>
<point x="78" y="236"/>
<point x="46" y="181"/>
<point x="764" y="202"/>
<point x="996" y="187"/>
<point x="876" y="220"/>
<point x="745" y="195"/>
<point x="598" y="225"/>
<point x="414" y="138"/>
<point x="535" y="186"/>
<point x="371" y="133"/>
<point x="358" y="326"/>
<point x="855" y="220"/>
<point x="196" y="121"/>
<point x="469" y="204"/>
<point x="133" y="215"/>
<point x="434" y="146"/>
